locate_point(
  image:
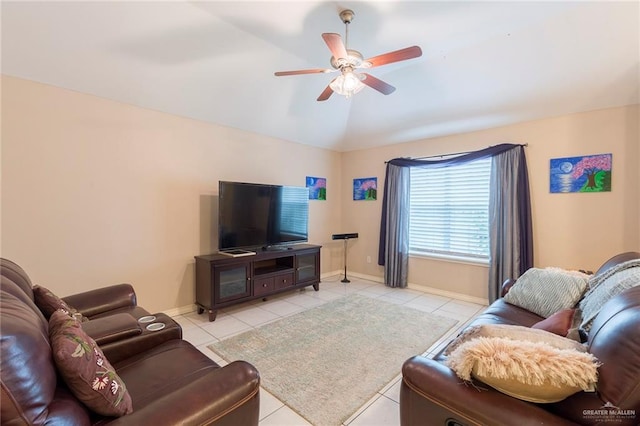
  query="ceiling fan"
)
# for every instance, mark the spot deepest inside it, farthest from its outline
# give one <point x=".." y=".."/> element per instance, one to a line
<point x="347" y="61"/>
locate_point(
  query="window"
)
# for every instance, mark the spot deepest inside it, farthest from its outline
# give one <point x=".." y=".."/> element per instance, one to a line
<point x="294" y="212"/>
<point x="449" y="210"/>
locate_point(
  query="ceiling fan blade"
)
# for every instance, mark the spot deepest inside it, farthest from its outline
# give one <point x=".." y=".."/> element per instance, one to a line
<point x="336" y="46"/>
<point x="326" y="93"/>
<point x="379" y="85"/>
<point x="298" y="72"/>
<point x="395" y="56"/>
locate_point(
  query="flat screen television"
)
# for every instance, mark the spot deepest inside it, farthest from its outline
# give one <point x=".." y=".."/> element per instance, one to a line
<point x="259" y="216"/>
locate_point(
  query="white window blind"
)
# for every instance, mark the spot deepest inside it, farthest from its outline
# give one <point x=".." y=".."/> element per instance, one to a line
<point x="449" y="210"/>
<point x="294" y="214"/>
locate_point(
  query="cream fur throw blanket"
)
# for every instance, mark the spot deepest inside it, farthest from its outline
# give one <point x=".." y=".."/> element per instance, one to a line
<point x="533" y="371"/>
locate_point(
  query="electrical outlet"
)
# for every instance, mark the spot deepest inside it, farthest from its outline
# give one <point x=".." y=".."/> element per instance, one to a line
<point x="368" y="259"/>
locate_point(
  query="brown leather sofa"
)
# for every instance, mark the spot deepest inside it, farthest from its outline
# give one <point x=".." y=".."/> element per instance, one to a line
<point x="170" y="381"/>
<point x="432" y="394"/>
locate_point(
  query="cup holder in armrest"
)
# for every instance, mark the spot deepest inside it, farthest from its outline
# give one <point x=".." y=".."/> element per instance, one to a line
<point x="155" y="326"/>
<point x="146" y="319"/>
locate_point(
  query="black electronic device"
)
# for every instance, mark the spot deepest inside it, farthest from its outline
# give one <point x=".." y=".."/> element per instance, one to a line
<point x="344" y="236"/>
<point x="260" y="216"/>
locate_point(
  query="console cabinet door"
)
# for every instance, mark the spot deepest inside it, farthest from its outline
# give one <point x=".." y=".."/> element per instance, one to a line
<point x="308" y="267"/>
<point x="232" y="282"/>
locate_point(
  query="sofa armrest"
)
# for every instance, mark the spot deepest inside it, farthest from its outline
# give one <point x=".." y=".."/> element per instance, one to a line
<point x="226" y="396"/>
<point x="117" y="350"/>
<point x="431" y="390"/>
<point x="506" y="286"/>
<point x="100" y="300"/>
<point x="112" y="328"/>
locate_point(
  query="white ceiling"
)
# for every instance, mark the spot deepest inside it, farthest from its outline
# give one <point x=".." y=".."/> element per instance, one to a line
<point x="484" y="64"/>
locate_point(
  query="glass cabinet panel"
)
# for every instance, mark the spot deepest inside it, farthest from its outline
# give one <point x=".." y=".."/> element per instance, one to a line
<point x="307" y="267"/>
<point x="233" y="282"/>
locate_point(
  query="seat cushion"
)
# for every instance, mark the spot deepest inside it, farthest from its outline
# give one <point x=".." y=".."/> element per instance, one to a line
<point x="513" y="332"/>
<point x="501" y="312"/>
<point x="164" y="369"/>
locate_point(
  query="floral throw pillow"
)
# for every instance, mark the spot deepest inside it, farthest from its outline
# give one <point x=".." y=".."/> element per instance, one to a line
<point x="84" y="368"/>
<point x="48" y="303"/>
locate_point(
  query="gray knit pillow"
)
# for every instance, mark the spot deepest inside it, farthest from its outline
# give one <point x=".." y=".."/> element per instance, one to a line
<point x="547" y="291"/>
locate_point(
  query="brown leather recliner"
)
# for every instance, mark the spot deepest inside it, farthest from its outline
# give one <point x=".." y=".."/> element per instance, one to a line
<point x="111" y="315"/>
<point x="170" y="381"/>
<point x="432" y="394"/>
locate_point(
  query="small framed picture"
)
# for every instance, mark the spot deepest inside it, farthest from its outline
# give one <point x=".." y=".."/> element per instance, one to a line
<point x="317" y="188"/>
<point x="365" y="189"/>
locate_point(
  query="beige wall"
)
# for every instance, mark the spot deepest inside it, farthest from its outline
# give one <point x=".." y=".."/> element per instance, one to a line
<point x="95" y="192"/>
<point x="570" y="230"/>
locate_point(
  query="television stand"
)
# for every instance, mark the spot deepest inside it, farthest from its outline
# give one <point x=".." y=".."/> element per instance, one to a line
<point x="223" y="280"/>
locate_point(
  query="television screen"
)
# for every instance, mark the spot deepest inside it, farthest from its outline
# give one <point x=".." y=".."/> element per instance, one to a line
<point x="254" y="215"/>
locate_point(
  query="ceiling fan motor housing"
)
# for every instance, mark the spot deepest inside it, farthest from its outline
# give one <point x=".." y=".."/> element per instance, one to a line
<point x="354" y="59"/>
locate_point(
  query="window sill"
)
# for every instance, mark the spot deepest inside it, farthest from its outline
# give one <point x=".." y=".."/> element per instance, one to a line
<point x="449" y="258"/>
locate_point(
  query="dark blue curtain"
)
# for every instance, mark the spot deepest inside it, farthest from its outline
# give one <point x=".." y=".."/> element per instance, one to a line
<point x="510" y="256"/>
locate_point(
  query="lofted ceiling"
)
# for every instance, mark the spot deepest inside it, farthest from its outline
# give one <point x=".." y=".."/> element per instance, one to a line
<point x="484" y="64"/>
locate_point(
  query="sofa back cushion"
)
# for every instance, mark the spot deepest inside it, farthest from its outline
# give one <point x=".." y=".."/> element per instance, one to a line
<point x="11" y="287"/>
<point x="614" y="339"/>
<point x="15" y="273"/>
<point x="28" y="372"/>
<point x="618" y="258"/>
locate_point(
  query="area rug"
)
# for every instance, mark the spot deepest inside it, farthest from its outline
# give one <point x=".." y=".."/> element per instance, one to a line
<point x="328" y="361"/>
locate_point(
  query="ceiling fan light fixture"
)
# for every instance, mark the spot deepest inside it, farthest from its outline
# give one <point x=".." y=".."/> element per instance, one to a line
<point x="346" y="60"/>
<point x="347" y="84"/>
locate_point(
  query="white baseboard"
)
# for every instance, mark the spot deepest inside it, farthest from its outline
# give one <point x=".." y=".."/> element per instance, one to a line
<point x="351" y="274"/>
<point x="367" y="277"/>
<point x="426" y="289"/>
<point x="330" y="274"/>
<point x="419" y="287"/>
<point x="449" y="294"/>
<point x="180" y="310"/>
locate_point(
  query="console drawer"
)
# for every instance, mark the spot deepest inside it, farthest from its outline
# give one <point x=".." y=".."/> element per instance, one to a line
<point x="263" y="286"/>
<point x="282" y="281"/>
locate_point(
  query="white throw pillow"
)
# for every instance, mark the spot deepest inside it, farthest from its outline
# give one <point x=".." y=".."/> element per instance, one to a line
<point x="547" y="291"/>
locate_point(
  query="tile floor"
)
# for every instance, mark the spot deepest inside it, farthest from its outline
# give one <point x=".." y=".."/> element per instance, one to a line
<point x="383" y="408"/>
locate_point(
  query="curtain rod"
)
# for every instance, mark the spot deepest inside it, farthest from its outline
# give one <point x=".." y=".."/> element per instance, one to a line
<point x="453" y="153"/>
